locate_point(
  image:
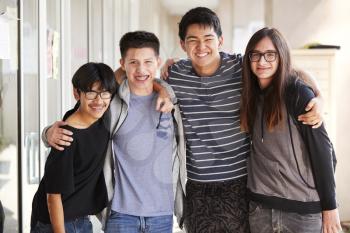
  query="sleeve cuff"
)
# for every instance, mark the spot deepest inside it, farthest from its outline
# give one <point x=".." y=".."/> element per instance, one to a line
<point x="44" y="138"/>
<point x="330" y="204"/>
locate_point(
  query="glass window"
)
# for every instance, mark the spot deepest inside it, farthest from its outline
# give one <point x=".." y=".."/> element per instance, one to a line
<point x="53" y="84"/>
<point x="8" y="117"/>
<point x="30" y="108"/>
<point x="79" y="33"/>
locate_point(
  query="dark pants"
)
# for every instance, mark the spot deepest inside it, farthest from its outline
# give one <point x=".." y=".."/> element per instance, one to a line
<point x="266" y="220"/>
<point x="217" y="207"/>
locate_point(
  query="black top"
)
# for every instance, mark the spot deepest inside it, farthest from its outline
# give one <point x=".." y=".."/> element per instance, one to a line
<point x="320" y="148"/>
<point x="76" y="173"/>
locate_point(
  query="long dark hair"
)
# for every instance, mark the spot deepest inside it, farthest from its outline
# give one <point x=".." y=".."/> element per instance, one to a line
<point x="273" y="106"/>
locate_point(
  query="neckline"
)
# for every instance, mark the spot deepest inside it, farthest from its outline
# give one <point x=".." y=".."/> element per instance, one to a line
<point x="89" y="127"/>
<point x="142" y="97"/>
<point x="216" y="72"/>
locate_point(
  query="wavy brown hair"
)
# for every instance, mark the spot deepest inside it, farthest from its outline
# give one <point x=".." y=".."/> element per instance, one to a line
<point x="273" y="112"/>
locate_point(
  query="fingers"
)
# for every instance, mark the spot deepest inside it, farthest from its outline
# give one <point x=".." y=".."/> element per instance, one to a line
<point x="330" y="221"/>
<point x="62" y="137"/>
<point x="311" y="118"/>
<point x="331" y="229"/>
<point x="61" y="142"/>
<point x="309" y="114"/>
<point x="312" y="121"/>
<point x="57" y="147"/>
<point x="164" y="105"/>
<point x="310" y="105"/>
<point x="164" y="71"/>
<point x="317" y="125"/>
<point x="164" y="74"/>
<point x="308" y="118"/>
<point x="65" y="132"/>
<point x="159" y="104"/>
<point x="167" y="107"/>
<point x="58" y="137"/>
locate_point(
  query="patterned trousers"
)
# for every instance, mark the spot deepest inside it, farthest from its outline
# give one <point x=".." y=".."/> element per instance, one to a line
<point x="217" y="207"/>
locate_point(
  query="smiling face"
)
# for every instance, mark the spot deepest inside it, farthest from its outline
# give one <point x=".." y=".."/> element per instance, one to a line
<point x="265" y="70"/>
<point x="140" y="65"/>
<point x="202" y="47"/>
<point x="92" y="109"/>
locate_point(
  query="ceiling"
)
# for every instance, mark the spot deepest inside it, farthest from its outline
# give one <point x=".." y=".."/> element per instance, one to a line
<point x="180" y="7"/>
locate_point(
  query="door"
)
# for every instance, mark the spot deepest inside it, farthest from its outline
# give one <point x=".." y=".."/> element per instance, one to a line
<point x="40" y="91"/>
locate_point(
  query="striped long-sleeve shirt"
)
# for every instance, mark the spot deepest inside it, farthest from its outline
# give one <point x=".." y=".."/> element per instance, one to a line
<point x="216" y="147"/>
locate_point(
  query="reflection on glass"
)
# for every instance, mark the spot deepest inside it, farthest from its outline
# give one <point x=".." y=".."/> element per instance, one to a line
<point x="79" y="32"/>
<point x="30" y="110"/>
<point x="53" y="61"/>
<point x="8" y="121"/>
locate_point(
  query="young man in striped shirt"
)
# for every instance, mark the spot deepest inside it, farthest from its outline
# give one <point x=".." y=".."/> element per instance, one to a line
<point x="208" y="88"/>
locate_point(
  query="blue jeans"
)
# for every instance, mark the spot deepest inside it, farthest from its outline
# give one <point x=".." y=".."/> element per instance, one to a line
<point x="264" y="220"/>
<point x="79" y="225"/>
<point x="124" y="223"/>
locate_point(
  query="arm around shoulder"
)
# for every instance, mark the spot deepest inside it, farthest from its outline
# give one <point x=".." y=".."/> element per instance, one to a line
<point x="56" y="136"/>
<point x="318" y="145"/>
<point x="160" y="84"/>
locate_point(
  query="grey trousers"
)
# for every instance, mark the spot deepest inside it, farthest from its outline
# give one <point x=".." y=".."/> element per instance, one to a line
<point x="264" y="220"/>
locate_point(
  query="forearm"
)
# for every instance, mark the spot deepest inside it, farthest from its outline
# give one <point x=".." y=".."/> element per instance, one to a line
<point x="320" y="149"/>
<point x="119" y="75"/>
<point x="55" y="207"/>
<point x="44" y="136"/>
<point x="157" y="87"/>
<point x="309" y="80"/>
<point x="162" y="86"/>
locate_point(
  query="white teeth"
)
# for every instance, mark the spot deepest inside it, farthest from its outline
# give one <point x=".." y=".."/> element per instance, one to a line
<point x="97" y="108"/>
<point x="141" y="78"/>
<point x="202" y="54"/>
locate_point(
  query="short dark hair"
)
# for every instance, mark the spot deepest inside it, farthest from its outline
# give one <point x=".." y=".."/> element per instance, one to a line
<point x="90" y="73"/>
<point x="138" y="39"/>
<point x="202" y="16"/>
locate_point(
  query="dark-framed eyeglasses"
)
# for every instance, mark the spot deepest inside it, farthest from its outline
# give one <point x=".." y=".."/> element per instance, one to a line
<point x="91" y="95"/>
<point x="268" y="56"/>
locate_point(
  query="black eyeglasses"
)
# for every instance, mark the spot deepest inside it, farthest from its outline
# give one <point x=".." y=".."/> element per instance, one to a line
<point x="91" y="95"/>
<point x="268" y="56"/>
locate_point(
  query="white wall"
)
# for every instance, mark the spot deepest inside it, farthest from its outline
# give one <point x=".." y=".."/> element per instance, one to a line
<point x="169" y="26"/>
<point x="224" y="11"/>
<point x="247" y="17"/>
<point x="327" y="22"/>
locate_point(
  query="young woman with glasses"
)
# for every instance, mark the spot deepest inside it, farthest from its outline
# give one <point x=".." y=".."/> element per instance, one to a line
<point x="291" y="166"/>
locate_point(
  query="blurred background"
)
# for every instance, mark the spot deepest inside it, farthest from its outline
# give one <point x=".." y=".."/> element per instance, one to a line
<point x="43" y="42"/>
